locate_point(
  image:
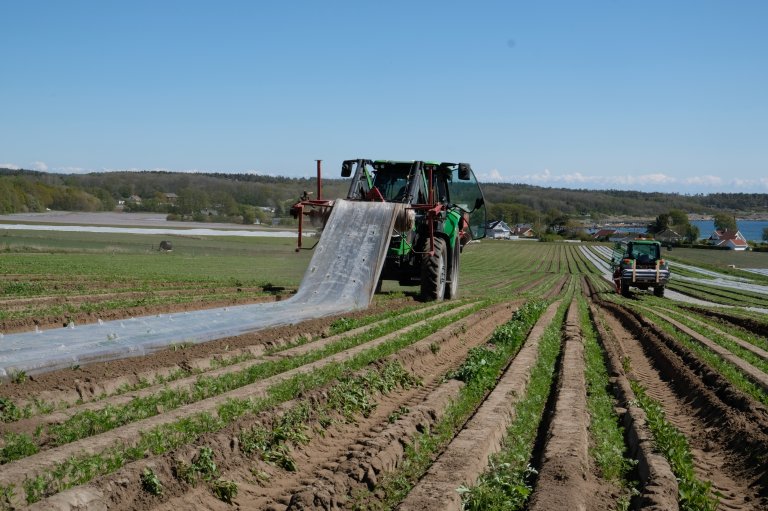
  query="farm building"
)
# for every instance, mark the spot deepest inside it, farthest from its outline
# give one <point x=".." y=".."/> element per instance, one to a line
<point x="732" y="240"/>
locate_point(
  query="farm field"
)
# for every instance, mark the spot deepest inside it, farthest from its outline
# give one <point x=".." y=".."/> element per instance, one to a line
<point x="539" y="388"/>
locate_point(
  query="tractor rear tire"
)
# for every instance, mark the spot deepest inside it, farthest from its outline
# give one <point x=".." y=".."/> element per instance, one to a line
<point x="433" y="271"/>
<point x="452" y="288"/>
<point x="658" y="291"/>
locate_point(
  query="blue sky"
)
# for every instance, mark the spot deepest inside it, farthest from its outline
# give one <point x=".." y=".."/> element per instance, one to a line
<point x="642" y="95"/>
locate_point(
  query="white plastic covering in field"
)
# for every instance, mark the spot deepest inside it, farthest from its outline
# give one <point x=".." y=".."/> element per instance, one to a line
<point x="342" y="276"/>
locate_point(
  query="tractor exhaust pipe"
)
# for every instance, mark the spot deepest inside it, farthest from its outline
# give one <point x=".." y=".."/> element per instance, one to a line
<point x="319" y="195"/>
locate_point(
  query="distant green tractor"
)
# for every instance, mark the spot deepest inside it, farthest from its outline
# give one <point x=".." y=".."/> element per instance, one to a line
<point x="638" y="263"/>
<point x="445" y="209"/>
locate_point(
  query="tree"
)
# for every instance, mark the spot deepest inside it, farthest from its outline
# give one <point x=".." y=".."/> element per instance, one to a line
<point x="725" y="222"/>
<point x="678" y="217"/>
<point x="692" y="233"/>
<point x="660" y="224"/>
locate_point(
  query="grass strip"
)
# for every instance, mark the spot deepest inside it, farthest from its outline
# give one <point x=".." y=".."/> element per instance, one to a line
<point x="480" y="371"/>
<point x="508" y="483"/>
<point x="693" y="494"/>
<point x="78" y="470"/>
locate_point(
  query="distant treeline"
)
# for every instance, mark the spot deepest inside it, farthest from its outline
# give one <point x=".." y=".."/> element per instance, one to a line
<point x="242" y="194"/>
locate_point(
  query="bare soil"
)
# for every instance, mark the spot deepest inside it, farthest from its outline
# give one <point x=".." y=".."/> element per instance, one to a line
<point x="726" y="429"/>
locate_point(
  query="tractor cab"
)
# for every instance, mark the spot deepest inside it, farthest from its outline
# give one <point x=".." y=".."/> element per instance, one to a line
<point x="639" y="263"/>
<point x="422" y="185"/>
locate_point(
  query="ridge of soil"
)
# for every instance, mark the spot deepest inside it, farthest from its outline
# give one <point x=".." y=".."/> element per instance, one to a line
<point x="123" y="491"/>
<point x="566" y="478"/>
<point x="466" y="457"/>
<point x="659" y="488"/>
<point x="727" y="430"/>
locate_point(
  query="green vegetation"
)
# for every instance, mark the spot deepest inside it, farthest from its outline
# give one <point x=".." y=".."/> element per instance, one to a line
<point x="150" y="482"/>
<point x="725" y="368"/>
<point x="224" y="490"/>
<point x="607" y="448"/>
<point x="507" y="340"/>
<point x="91" y="422"/>
<point x="80" y="469"/>
<point x="240" y="196"/>
<point x="507" y="482"/>
<point x="694" y="495"/>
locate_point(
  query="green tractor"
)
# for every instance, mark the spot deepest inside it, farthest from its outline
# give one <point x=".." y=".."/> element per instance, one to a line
<point x="444" y="210"/>
<point x="638" y="263"/>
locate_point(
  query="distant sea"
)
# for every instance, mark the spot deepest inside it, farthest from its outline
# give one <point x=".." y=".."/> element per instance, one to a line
<point x="750" y="229"/>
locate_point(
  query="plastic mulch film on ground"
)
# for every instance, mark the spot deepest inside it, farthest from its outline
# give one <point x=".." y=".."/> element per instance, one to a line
<point x="341" y="277"/>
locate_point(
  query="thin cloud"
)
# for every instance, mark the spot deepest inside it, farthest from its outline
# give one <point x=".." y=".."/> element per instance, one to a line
<point x="11" y="166"/>
<point x="39" y="166"/>
<point x="704" y="180"/>
<point x="492" y="176"/>
<point x="656" y="181"/>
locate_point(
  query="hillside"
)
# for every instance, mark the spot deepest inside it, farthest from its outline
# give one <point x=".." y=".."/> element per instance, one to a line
<point x="243" y="195"/>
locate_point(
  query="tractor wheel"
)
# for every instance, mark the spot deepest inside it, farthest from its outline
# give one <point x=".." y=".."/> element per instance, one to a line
<point x="658" y="291"/>
<point x="433" y="269"/>
<point x="452" y="288"/>
<point x="625" y="288"/>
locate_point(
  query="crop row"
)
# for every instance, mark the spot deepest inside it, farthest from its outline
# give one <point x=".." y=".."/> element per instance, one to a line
<point x="80" y="468"/>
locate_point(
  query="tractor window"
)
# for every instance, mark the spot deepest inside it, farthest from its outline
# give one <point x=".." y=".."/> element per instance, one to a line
<point x="392" y="184"/>
<point x="468" y="196"/>
<point x="644" y="253"/>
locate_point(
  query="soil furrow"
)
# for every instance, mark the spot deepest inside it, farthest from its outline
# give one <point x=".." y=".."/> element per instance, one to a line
<point x="188" y="383"/>
<point x="565" y="479"/>
<point x="658" y="491"/>
<point x="466" y="456"/>
<point x="693" y="416"/>
<point x="741" y="342"/>
<point x="15" y="472"/>
<point x="753" y="373"/>
<point x="329" y="450"/>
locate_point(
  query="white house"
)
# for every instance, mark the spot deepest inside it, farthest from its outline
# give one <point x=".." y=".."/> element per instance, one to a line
<point x="498" y="230"/>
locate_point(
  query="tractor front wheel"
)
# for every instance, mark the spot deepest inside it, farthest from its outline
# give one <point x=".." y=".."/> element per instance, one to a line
<point x="658" y="291"/>
<point x="433" y="269"/>
<point x="625" y="288"/>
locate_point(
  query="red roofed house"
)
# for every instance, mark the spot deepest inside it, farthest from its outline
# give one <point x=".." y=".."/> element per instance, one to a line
<point x="604" y="234"/>
<point x="732" y="240"/>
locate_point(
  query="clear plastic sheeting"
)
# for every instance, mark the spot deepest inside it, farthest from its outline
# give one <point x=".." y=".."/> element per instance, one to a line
<point x="341" y="277"/>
